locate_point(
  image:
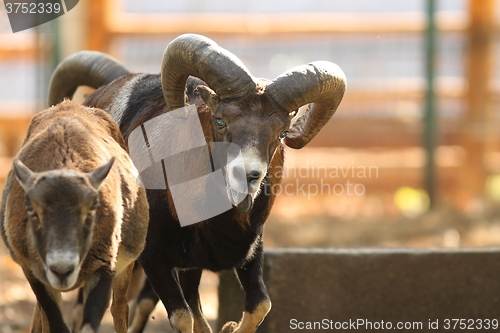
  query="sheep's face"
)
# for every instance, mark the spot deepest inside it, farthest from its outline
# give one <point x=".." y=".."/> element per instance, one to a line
<point x="256" y="126"/>
<point x="61" y="208"/>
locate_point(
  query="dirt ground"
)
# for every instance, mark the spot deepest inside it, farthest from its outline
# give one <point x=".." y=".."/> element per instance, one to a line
<point x="17" y="301"/>
<point x="442" y="228"/>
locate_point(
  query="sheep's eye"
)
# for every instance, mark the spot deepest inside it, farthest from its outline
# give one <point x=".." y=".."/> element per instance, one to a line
<point x="283" y="134"/>
<point x="33" y="217"/>
<point x="90" y="215"/>
<point x="31" y="213"/>
<point x="92" y="209"/>
<point x="220" y="123"/>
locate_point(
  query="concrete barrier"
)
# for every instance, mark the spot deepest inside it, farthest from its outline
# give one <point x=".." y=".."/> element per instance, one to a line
<point x="398" y="290"/>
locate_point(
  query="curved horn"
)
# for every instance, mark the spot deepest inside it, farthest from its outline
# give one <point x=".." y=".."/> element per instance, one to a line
<point x="196" y="55"/>
<point x="89" y="68"/>
<point x="321" y="83"/>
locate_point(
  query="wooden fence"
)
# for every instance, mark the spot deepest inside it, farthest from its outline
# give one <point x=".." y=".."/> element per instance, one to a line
<point x="474" y="132"/>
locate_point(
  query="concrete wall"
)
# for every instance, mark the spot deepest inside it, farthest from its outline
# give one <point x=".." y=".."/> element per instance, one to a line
<point x="416" y="287"/>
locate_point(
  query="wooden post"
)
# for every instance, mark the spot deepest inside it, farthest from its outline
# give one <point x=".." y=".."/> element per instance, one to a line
<point x="98" y="37"/>
<point x="430" y="114"/>
<point x="479" y="71"/>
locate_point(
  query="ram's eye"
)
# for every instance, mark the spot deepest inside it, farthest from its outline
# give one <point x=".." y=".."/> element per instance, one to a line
<point x="283" y="134"/>
<point x="220" y="123"/>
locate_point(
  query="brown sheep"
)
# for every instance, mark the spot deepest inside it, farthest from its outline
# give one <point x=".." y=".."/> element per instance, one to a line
<point x="72" y="215"/>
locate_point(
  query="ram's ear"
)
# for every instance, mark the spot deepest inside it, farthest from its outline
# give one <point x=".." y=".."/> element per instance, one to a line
<point x="97" y="176"/>
<point x="208" y="96"/>
<point x="24" y="175"/>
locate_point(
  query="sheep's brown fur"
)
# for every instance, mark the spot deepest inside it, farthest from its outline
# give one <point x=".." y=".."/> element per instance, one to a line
<point x="70" y="136"/>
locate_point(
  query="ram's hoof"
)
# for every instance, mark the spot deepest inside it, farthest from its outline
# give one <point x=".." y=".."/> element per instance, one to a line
<point x="229" y="327"/>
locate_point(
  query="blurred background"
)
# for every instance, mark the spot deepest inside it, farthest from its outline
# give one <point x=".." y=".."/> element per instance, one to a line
<point x="412" y="156"/>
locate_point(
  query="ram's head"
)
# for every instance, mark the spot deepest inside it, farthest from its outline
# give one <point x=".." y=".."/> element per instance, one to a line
<point x="255" y="114"/>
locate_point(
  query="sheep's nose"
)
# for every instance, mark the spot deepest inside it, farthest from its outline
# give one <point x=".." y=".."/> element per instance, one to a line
<point x="62" y="270"/>
<point x="62" y="263"/>
<point x="253" y="176"/>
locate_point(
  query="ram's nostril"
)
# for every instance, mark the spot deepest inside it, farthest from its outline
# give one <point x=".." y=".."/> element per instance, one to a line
<point x="253" y="176"/>
<point x="239" y="174"/>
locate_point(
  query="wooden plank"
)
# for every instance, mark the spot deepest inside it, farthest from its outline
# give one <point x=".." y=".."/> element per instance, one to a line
<point x="97" y="31"/>
<point x="17" y="54"/>
<point x="12" y="133"/>
<point x="407" y="87"/>
<point x="362" y="132"/>
<point x="17" y="47"/>
<point x="120" y="23"/>
<point x="475" y="135"/>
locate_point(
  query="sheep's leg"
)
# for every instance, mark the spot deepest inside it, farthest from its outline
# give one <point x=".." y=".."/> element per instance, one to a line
<point x="136" y="281"/>
<point x="190" y="282"/>
<point x="134" y="288"/>
<point x="164" y="281"/>
<point x="98" y="294"/>
<point x="48" y="310"/>
<point x="257" y="302"/>
<point x="143" y="306"/>
<point x="36" y="320"/>
<point x="77" y="315"/>
<point x="119" y="306"/>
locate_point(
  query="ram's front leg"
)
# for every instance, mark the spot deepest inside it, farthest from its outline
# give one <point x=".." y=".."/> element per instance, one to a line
<point x="98" y="294"/>
<point x="257" y="302"/>
<point x="190" y="282"/>
<point x="165" y="282"/>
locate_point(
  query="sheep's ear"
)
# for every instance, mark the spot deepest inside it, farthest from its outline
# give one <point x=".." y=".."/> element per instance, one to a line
<point x="208" y="96"/>
<point x="97" y="176"/>
<point x="24" y="175"/>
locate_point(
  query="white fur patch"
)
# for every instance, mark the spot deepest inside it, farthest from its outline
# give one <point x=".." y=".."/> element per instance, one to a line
<point x="252" y="162"/>
<point x="182" y="320"/>
<point x="250" y="321"/>
<point x="120" y="103"/>
<point x="122" y="262"/>
<point x="247" y="161"/>
<point x="116" y="237"/>
<point x="87" y="329"/>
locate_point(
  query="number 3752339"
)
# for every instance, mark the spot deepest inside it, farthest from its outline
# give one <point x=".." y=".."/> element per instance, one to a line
<point x="33" y="8"/>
